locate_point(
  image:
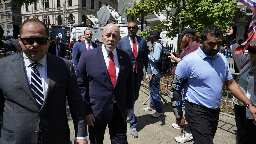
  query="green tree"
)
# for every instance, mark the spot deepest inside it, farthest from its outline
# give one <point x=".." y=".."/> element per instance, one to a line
<point x="194" y="13"/>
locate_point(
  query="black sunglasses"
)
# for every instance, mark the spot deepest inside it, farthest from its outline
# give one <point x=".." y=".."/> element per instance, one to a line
<point x="134" y="27"/>
<point x="31" y="41"/>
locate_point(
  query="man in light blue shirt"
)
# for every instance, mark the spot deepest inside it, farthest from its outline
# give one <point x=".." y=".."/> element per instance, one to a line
<point x="154" y="74"/>
<point x="202" y="75"/>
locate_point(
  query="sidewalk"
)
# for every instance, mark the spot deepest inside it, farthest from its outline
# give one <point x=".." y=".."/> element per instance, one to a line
<point x="152" y="132"/>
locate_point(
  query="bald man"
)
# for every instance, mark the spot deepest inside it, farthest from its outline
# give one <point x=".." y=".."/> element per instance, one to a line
<point x="104" y="77"/>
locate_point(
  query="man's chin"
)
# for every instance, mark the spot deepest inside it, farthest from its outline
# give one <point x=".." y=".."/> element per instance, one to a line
<point x="34" y="57"/>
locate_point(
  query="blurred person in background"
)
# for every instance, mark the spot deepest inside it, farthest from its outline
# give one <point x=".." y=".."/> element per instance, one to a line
<point x="84" y="45"/>
<point x="136" y="47"/>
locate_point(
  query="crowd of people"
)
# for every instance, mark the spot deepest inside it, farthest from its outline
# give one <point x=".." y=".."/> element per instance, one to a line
<point x="101" y="84"/>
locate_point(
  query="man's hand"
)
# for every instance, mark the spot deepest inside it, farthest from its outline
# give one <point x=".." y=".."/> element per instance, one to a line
<point x="174" y="58"/>
<point x="90" y="120"/>
<point x="81" y="141"/>
<point x="252" y="109"/>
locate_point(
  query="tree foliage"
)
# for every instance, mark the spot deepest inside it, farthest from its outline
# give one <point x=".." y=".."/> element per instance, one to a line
<point x="196" y="14"/>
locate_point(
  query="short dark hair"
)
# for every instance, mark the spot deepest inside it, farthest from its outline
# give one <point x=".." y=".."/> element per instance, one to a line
<point x="37" y="21"/>
<point x="188" y="31"/>
<point x="214" y="30"/>
<point x="133" y="21"/>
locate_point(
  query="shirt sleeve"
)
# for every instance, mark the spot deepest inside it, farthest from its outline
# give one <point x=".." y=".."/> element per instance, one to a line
<point x="182" y="69"/>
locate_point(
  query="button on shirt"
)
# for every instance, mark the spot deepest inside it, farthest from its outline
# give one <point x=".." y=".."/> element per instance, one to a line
<point x="205" y="76"/>
<point x="106" y="58"/>
<point x="42" y="68"/>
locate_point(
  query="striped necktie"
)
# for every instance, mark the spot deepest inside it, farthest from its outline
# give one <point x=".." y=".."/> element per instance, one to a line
<point x="36" y="84"/>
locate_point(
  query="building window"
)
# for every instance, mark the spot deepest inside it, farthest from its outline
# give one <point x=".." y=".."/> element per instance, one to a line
<point x="69" y="2"/>
<point x="59" y="20"/>
<point x="46" y="4"/>
<point x="35" y="5"/>
<point x="45" y="19"/>
<point x="100" y="4"/>
<point x="58" y="3"/>
<point x="26" y="6"/>
<point x="92" y="4"/>
<point x="83" y="3"/>
<point x="71" y="19"/>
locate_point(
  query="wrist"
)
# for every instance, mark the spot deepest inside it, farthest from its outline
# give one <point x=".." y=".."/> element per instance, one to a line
<point x="248" y="105"/>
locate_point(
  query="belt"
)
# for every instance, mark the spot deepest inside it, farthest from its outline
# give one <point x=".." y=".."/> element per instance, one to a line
<point x="201" y="107"/>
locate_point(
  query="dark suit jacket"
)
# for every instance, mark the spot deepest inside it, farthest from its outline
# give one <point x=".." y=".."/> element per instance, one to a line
<point x="23" y="121"/>
<point x="61" y="51"/>
<point x="77" y="51"/>
<point x="142" y="60"/>
<point x="96" y="86"/>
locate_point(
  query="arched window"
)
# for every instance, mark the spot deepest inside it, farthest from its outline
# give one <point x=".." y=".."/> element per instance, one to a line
<point x="83" y="19"/>
<point x="71" y="18"/>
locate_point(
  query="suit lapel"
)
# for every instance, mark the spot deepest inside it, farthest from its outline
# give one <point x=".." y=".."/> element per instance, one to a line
<point x="121" y="65"/>
<point x="102" y="63"/>
<point x="139" y="44"/>
<point x="129" y="47"/>
<point x="51" y="67"/>
<point x="20" y="72"/>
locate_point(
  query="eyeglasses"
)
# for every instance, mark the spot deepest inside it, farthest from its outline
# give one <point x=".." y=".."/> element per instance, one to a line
<point x="31" y="41"/>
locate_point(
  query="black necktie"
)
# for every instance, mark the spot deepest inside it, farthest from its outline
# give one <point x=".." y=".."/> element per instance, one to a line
<point x="36" y="84"/>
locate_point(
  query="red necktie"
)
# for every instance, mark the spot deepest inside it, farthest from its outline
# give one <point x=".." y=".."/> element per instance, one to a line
<point x="135" y="54"/>
<point x="134" y="48"/>
<point x="112" y="69"/>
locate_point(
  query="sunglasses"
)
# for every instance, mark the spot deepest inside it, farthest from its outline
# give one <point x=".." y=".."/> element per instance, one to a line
<point x="31" y="41"/>
<point x="132" y="27"/>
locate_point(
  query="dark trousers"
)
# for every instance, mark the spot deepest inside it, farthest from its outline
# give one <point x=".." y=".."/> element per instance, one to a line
<point x="245" y="128"/>
<point x="154" y="89"/>
<point x="136" y="81"/>
<point x="202" y="122"/>
<point x="117" y="129"/>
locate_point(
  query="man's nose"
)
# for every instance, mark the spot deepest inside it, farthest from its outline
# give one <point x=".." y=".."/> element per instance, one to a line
<point x="35" y="44"/>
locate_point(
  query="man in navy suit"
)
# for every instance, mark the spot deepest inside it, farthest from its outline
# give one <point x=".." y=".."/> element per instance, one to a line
<point x="136" y="47"/>
<point x="84" y="45"/>
<point x="104" y="77"/>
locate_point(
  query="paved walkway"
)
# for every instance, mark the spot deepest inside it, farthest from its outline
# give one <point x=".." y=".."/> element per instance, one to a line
<point x="151" y="130"/>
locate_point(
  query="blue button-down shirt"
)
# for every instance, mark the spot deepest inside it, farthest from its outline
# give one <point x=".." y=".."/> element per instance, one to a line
<point x="205" y="76"/>
<point x="154" y="57"/>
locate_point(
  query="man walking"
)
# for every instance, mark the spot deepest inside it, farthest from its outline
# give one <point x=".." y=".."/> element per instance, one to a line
<point x="34" y="87"/>
<point x="202" y="75"/>
<point x="136" y="47"/>
<point x="84" y="45"/>
<point x="104" y="76"/>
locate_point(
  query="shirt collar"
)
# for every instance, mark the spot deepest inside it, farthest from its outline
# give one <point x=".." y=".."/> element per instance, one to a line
<point x="28" y="61"/>
<point x="104" y="50"/>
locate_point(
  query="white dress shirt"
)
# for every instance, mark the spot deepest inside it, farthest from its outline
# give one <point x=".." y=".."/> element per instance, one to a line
<point x="42" y="68"/>
<point x="106" y="58"/>
<point x="136" y="43"/>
